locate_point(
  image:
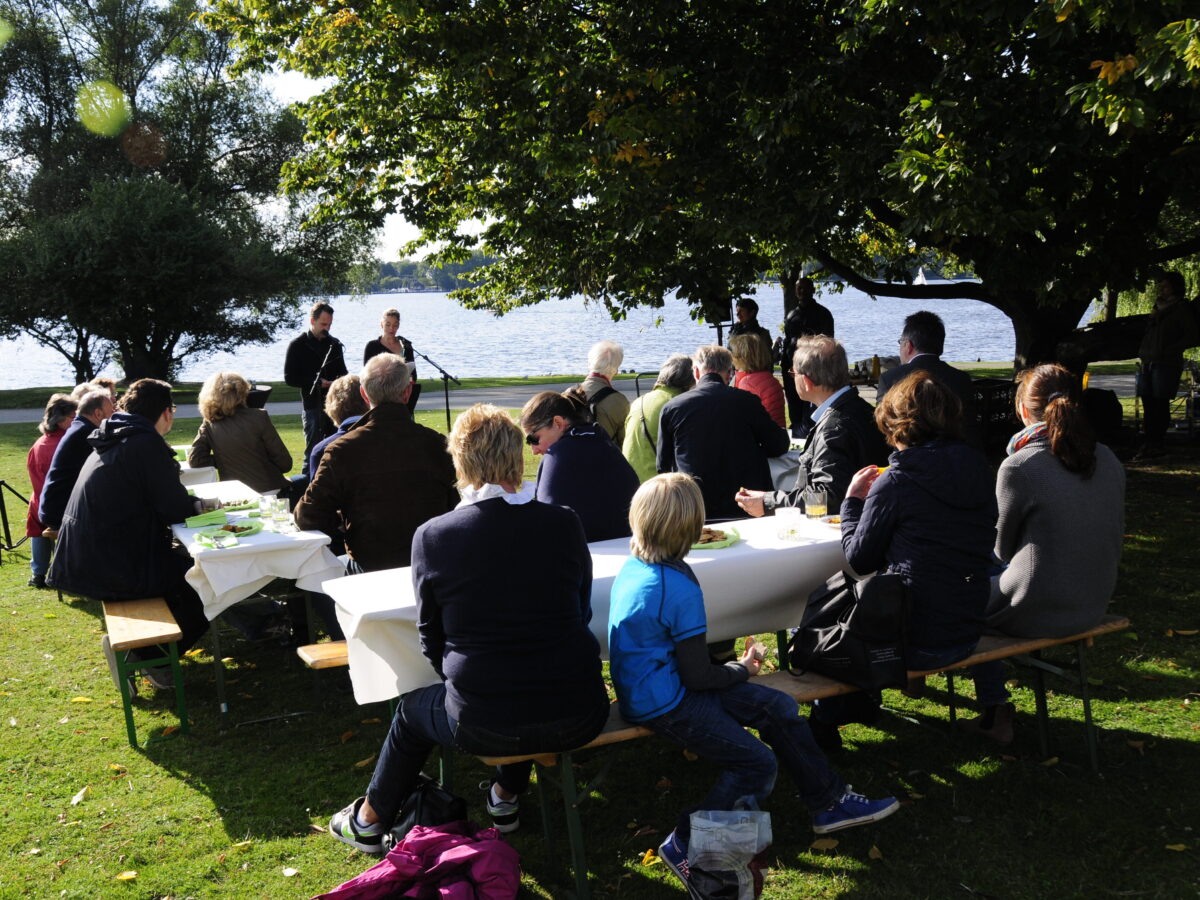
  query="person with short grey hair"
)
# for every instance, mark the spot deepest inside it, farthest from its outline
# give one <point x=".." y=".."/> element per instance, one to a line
<point x="719" y="435"/>
<point x="641" y="425"/>
<point x="385" y="379"/>
<point x="844" y="437"/>
<point x="95" y="405"/>
<point x="609" y="406"/>
<point x="384" y="478"/>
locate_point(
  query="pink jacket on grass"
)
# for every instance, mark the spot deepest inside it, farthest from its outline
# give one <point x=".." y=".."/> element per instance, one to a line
<point x="446" y="862"/>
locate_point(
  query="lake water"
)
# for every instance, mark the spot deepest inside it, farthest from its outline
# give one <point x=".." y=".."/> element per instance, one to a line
<point x="553" y="337"/>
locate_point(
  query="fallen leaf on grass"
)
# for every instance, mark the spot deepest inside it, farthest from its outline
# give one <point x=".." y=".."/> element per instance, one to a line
<point x="1186" y="632"/>
<point x="242" y="844"/>
<point x="290" y="872"/>
<point x="690" y="756"/>
<point x="823" y="844"/>
<point x="874" y="853"/>
<point x="35" y="851"/>
<point x="317" y="829"/>
<point x="170" y="729"/>
<point x="371" y="721"/>
<point x="106" y="826"/>
<point x="12" y="721"/>
<point x="64" y="720"/>
<point x="1052" y="761"/>
<point x="116" y="767"/>
<point x="81" y="699"/>
<point x="346" y="735"/>
<point x="363" y="763"/>
<point x="49" y="616"/>
<point x="1139" y="746"/>
<point x="915" y="796"/>
<point x="192" y="654"/>
<point x="663" y="783"/>
<point x="1171" y="664"/>
<point x="645" y="829"/>
<point x="1178" y="848"/>
<point x="78" y="798"/>
<point x="650" y="858"/>
<point x="127" y="876"/>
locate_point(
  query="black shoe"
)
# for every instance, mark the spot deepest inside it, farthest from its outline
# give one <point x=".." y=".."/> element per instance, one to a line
<point x="37" y="581"/>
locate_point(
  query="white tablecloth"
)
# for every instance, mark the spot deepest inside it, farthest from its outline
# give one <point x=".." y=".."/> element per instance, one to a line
<point x="223" y="577"/>
<point x="760" y="584"/>
<point x="192" y="475"/>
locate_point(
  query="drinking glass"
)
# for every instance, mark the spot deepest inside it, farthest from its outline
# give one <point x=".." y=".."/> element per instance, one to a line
<point x="816" y="503"/>
<point x="281" y="516"/>
<point x="788" y="518"/>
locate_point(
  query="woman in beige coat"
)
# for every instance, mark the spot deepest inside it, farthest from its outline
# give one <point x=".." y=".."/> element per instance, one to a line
<point x="241" y="442"/>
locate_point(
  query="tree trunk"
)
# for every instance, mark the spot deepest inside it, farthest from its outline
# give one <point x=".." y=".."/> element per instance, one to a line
<point x="1040" y="329"/>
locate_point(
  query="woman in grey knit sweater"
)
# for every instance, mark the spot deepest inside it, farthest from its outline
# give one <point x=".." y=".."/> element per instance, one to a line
<point x="1062" y="517"/>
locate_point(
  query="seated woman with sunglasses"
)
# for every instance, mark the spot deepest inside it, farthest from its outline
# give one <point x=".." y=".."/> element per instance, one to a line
<point x="581" y="468"/>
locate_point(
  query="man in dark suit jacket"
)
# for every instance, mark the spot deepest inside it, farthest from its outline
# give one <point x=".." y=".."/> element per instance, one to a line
<point x="843" y="440"/>
<point x="921" y="345"/>
<point x="719" y="435"/>
<point x="807" y="317"/>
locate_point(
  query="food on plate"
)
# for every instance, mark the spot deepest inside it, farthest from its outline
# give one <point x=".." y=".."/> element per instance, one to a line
<point x="237" y="529"/>
<point x="711" y="536"/>
<point x="833" y="520"/>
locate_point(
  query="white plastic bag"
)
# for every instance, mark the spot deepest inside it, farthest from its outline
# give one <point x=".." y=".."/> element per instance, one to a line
<point x="722" y="845"/>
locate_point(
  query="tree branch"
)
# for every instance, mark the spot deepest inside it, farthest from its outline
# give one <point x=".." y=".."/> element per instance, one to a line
<point x="955" y="290"/>
<point x="1175" y="251"/>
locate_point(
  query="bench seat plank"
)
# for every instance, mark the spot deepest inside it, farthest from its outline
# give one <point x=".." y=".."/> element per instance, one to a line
<point x="327" y="655"/>
<point x="139" y="623"/>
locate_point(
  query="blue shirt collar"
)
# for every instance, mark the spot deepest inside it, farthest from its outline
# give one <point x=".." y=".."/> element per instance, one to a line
<point x="824" y="407"/>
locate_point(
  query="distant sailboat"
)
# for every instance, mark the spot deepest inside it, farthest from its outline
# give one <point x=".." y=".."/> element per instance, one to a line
<point x="920" y="279"/>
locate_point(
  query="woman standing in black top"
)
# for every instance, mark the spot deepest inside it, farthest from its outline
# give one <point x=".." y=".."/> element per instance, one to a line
<point x="389" y="341"/>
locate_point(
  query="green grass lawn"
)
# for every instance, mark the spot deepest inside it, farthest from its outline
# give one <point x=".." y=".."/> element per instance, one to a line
<point x="231" y="814"/>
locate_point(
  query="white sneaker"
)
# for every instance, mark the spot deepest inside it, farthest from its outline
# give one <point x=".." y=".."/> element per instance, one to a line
<point x="505" y="813"/>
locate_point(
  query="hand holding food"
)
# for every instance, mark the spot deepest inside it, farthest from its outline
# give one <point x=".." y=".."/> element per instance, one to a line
<point x="752" y="655"/>
<point x="860" y="484"/>
<point x="751" y="502"/>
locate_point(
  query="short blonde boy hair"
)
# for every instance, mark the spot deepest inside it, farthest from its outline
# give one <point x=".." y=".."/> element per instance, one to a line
<point x="487" y="447"/>
<point x="666" y="516"/>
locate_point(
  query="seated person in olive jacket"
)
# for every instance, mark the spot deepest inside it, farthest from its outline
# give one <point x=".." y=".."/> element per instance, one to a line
<point x="384" y="478"/>
<point x="844" y="437"/>
<point x="115" y="539"/>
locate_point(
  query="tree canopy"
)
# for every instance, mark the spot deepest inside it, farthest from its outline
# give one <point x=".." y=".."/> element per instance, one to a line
<point x="142" y="212"/>
<point x="624" y="151"/>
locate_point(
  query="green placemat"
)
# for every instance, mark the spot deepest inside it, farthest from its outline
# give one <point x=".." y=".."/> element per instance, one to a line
<point x="731" y="538"/>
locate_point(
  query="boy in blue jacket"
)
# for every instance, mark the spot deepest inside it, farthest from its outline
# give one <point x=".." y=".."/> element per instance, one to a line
<point x="659" y="663"/>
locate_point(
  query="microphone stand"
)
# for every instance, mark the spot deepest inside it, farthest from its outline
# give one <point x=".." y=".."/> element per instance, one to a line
<point x="446" y="379"/>
<point x="316" y="381"/>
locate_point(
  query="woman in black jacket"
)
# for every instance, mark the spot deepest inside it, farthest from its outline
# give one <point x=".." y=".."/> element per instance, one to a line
<point x="929" y="516"/>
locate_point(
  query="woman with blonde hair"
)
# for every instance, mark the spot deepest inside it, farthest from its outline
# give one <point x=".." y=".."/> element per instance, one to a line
<point x="1061" y="500"/>
<point x="391" y="342"/>
<point x="755" y="373"/>
<point x="57" y="418"/>
<point x="241" y="442"/>
<point x="660" y="667"/>
<point x="503" y="589"/>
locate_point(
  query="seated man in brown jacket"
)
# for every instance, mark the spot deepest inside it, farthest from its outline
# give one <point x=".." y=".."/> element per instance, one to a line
<point x="384" y="478"/>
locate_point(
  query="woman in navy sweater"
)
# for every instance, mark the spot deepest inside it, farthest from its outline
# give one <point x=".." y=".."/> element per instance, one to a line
<point x="503" y="587"/>
<point x="581" y="468"/>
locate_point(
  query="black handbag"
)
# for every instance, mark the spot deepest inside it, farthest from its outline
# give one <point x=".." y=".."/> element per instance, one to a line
<point x="428" y="804"/>
<point x="854" y="631"/>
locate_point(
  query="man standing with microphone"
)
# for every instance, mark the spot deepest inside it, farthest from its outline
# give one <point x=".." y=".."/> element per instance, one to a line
<point x="314" y="360"/>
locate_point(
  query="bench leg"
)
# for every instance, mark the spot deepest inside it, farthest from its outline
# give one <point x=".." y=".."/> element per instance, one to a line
<point x="1043" y="715"/>
<point x="123" y="673"/>
<point x="574" y="827"/>
<point x="951" y="698"/>
<point x="781" y="646"/>
<point x="544" y="780"/>
<point x="1089" y="727"/>
<point x="446" y="768"/>
<point x="219" y="675"/>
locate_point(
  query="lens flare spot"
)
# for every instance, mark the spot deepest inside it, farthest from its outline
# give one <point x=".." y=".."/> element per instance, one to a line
<point x="103" y="108"/>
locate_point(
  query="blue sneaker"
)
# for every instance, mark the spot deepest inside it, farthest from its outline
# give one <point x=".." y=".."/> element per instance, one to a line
<point x="675" y="857"/>
<point x="853" y="809"/>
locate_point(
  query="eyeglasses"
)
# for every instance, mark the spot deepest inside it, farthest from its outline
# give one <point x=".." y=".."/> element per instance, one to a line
<point x="901" y="342"/>
<point x="174" y="407"/>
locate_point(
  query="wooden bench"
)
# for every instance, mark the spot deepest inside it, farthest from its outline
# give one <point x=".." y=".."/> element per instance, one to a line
<point x="328" y="655"/>
<point x="804" y="689"/>
<point x="132" y="624"/>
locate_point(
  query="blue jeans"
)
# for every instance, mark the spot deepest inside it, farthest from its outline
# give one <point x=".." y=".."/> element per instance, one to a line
<point x="317" y="427"/>
<point x="989" y="683"/>
<point x="40" y="549"/>
<point x="864" y="705"/>
<point x="422" y="723"/>
<point x="711" y="725"/>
